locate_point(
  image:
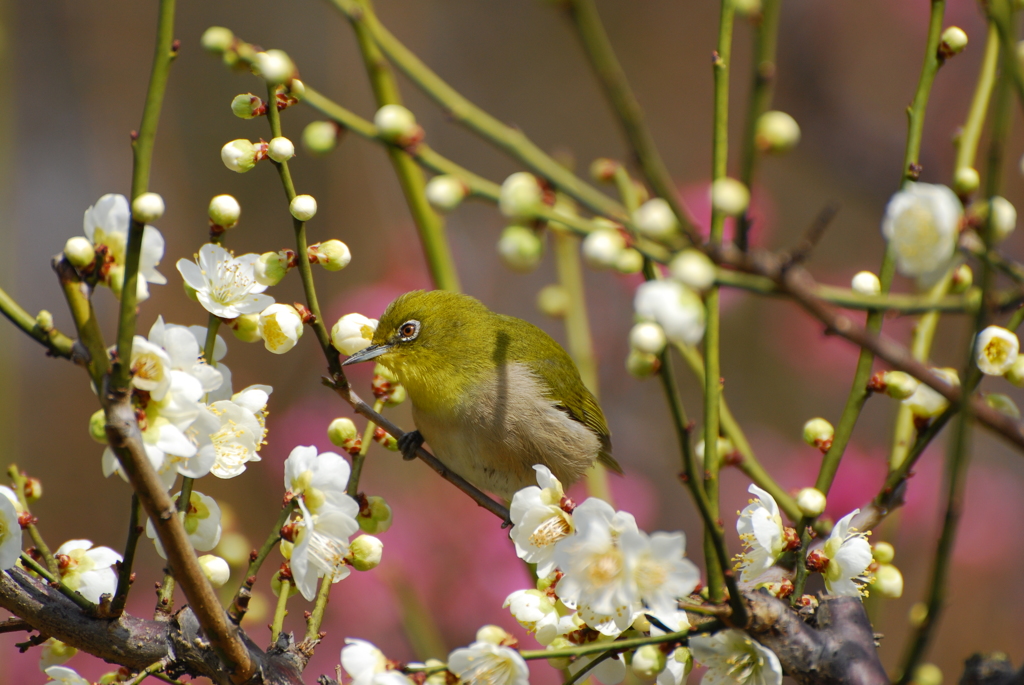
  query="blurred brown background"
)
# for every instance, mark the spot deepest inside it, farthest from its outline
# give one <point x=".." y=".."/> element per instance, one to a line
<point x="74" y="77"/>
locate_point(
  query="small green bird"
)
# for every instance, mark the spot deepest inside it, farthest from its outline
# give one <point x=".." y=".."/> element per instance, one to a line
<point x="491" y="394"/>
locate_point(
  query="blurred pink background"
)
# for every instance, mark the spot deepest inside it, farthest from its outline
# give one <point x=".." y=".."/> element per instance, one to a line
<point x="75" y="76"/>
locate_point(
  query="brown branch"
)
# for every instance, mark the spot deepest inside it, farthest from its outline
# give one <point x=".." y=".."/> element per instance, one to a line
<point x="838" y="649"/>
<point x="991" y="669"/>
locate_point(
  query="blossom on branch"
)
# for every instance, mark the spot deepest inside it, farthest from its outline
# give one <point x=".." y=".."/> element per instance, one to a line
<point x="10" y="534"/>
<point x="539" y="521"/>
<point x="225" y="285"/>
<point x="485" y="663"/>
<point x="733" y="658"/>
<point x="762" y="534"/>
<point x="106" y="226"/>
<point x="921" y="224"/>
<point x="319" y="479"/>
<point x="202" y="523"/>
<point x="321" y="547"/>
<point x="844" y="558"/>
<point x="87" y="569"/>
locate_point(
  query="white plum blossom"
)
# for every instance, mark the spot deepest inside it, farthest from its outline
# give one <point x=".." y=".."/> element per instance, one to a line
<point x="597" y="580"/>
<point x="65" y="676"/>
<point x="185" y="351"/>
<point x="87" y="569"/>
<point x="540" y="613"/>
<point x="10" y="534"/>
<point x="485" y="663"/>
<point x="659" y="571"/>
<point x="225" y="285"/>
<point x="280" y="326"/>
<point x="228" y="436"/>
<point x="362" y="661"/>
<point x="733" y="658"/>
<point x="679" y="662"/>
<point x="106" y="226"/>
<point x="539" y="521"/>
<point x="849" y="555"/>
<point x="678" y="309"/>
<point x="921" y="223"/>
<point x="55" y="653"/>
<point x="216" y="569"/>
<point x="762" y="534"/>
<point x="319" y="479"/>
<point x="321" y="547"/>
<point x="202" y="523"/>
<point x="997" y="350"/>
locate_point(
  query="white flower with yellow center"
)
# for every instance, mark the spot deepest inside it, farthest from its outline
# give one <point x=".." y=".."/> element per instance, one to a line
<point x="10" y="534"/>
<point x="538" y="521"/>
<point x="732" y="658"/>
<point x="660" y="573"/>
<point x="921" y="223"/>
<point x="762" y="534"/>
<point x="106" y="224"/>
<point x="542" y="614"/>
<point x="280" y="326"/>
<point x="848" y="554"/>
<point x="321" y="547"/>
<point x="485" y="663"/>
<point x="319" y="479"/>
<point x="202" y="523"/>
<point x="368" y="666"/>
<point x="87" y="569"/>
<point x="597" y="580"/>
<point x="225" y="285"/>
<point x="227" y="436"/>
<point x="185" y="351"/>
<point x="997" y="350"/>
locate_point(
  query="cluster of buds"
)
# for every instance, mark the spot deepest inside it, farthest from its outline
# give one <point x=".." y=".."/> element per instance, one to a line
<point x="342" y="432"/>
<point x="386" y="387"/>
<point x="887" y="579"/>
<point x="332" y="255"/>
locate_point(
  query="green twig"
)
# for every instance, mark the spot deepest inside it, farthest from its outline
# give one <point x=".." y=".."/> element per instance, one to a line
<point x="239" y="603"/>
<point x="967" y="145"/>
<point x="280" y="611"/>
<point x="124" y="571"/>
<point x="19" y="481"/>
<point x="916" y="111"/>
<point x="631" y="116"/>
<point x="151" y="670"/>
<point x="316" y="618"/>
<point x="77" y="294"/>
<point x="360" y="458"/>
<point x="165" y="596"/>
<point x="54" y="580"/>
<point x="55" y="342"/>
<point x="213" y="323"/>
<point x="765" y="41"/>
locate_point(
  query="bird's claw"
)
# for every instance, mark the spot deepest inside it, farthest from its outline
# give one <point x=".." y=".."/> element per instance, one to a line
<point x="409" y="443"/>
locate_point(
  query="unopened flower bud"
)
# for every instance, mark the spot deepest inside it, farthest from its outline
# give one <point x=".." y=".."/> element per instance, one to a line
<point x="655" y="219"/>
<point x="276" y="582"/>
<point x="747" y="8"/>
<point x="729" y="196"/>
<point x="445" y="193"/>
<point x="997" y="350"/>
<point x="647" y="337"/>
<point x="883" y="552"/>
<point x="217" y="39"/>
<point x="952" y="41"/>
<point x="395" y="124"/>
<point x="811" y="502"/>
<point x="352" y="333"/>
<point x="818" y="432"/>
<point x="963" y="279"/>
<point x="966" y="180"/>
<point x="899" y="385"/>
<point x="520" y="248"/>
<point x="320" y="137"/>
<point x="80" y="252"/>
<point x="397" y="395"/>
<point x="918" y="614"/>
<point x="365" y="552"/>
<point x="693" y="268"/>
<point x="246" y="327"/>
<point x="1003" y="404"/>
<point x="248" y="106"/>
<point x="297" y="89"/>
<point x="642" y="364"/>
<point x="332" y="255"/>
<point x="866" y="283"/>
<point x="270" y="268"/>
<point x="280" y="149"/>
<point x="601" y="248"/>
<point x="280" y="326"/>
<point x="927" y="674"/>
<point x="1004" y="217"/>
<point x="683" y="656"/>
<point x="224" y="211"/>
<point x="303" y="207"/>
<point x="926" y="403"/>
<point x="375" y="517"/>
<point x="44" y="321"/>
<point x="275" y="66"/>
<point x="888" y="581"/>
<point x="776" y="132"/>
<point x="215" y="569"/>
<point x="493" y="634"/>
<point x="520" y="195"/>
<point x="147" y="207"/>
<point x="33" y="489"/>
<point x="553" y="300"/>
<point x="385" y="439"/>
<point x="342" y="430"/>
<point x="648" y="662"/>
<point x="603" y="169"/>
<point x="239" y="155"/>
<point x="1015" y="374"/>
<point x="98" y="427"/>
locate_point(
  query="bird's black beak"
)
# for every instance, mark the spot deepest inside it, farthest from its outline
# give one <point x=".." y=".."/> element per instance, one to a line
<point x="366" y="354"/>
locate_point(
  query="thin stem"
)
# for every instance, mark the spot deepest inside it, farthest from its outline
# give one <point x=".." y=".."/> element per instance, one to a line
<point x="56" y="343"/>
<point x="151" y="670"/>
<point x="124" y="571"/>
<point x="712" y="363"/>
<point x="280" y="611"/>
<point x="765" y="41"/>
<point x="360" y="458"/>
<point x="967" y="146"/>
<point x="142" y="155"/>
<point x="165" y="597"/>
<point x="575" y="678"/>
<point x="316" y="618"/>
<point x="631" y="116"/>
<point x="19" y="481"/>
<point x="240" y="603"/>
<point x="915" y="114"/>
<point x="77" y="294"/>
<point x="465" y="112"/>
<point x="54" y="580"/>
<point x="213" y="323"/>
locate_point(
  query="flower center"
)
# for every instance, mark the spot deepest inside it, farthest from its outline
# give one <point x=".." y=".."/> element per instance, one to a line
<point x="605" y="568"/>
<point x="650" y="575"/>
<point x="231" y="282"/>
<point x="326" y="553"/>
<point x="550" y="532"/>
<point x="997" y="351"/>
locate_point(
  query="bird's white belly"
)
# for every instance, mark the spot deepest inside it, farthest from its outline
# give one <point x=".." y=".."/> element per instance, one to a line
<point x="494" y="438"/>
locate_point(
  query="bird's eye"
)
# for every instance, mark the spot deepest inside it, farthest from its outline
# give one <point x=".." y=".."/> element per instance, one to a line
<point x="409" y="330"/>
